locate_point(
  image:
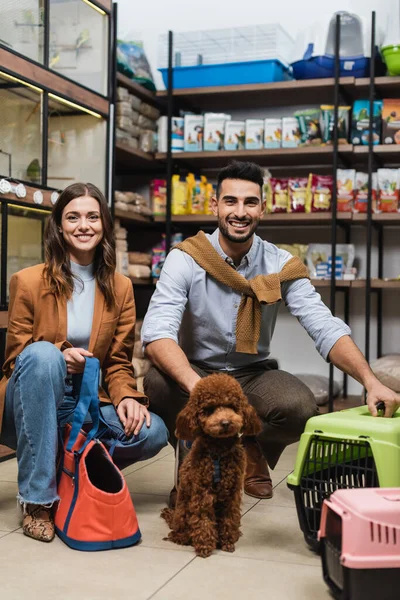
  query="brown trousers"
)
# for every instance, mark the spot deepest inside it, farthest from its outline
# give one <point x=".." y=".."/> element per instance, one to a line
<point x="282" y="401"/>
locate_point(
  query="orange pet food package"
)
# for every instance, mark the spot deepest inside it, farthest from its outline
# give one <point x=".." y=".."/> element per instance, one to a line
<point x="388" y="191"/>
<point x="361" y="197"/>
<point x="319" y="197"/>
<point x="277" y="195"/>
<point x="346" y="187"/>
<point x="297" y="195"/>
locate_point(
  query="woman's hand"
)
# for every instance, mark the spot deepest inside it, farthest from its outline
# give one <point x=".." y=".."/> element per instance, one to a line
<point x="75" y="359"/>
<point x="132" y="415"/>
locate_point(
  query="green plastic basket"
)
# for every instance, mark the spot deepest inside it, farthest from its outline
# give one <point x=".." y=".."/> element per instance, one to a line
<point x="346" y="449"/>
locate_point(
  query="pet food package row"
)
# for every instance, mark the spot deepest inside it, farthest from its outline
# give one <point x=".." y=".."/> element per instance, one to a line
<point x="299" y="194"/>
<point x="352" y="191"/>
<point x="319" y="261"/>
<point x="191" y="195"/>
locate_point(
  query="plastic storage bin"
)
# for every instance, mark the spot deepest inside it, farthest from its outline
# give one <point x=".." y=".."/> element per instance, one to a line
<point x="231" y="56"/>
<point x="347" y="449"/>
<point x="360" y="544"/>
<point x="314" y="55"/>
<point x="259" y="71"/>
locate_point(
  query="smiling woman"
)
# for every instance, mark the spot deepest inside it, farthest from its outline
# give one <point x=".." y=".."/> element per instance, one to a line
<point x="71" y="307"/>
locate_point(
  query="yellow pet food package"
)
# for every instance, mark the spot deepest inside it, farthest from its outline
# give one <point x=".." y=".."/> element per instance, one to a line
<point x="197" y="195"/>
<point x="210" y="192"/>
<point x="179" y="196"/>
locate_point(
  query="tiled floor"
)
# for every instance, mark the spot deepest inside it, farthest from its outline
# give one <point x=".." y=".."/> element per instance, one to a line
<point x="271" y="559"/>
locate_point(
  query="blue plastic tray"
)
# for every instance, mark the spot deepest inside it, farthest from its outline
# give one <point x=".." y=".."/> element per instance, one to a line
<point x="257" y="71"/>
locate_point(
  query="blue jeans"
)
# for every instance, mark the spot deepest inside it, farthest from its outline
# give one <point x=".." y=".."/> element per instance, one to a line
<point x="37" y="399"/>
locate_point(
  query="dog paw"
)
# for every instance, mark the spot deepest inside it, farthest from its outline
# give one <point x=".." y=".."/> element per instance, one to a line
<point x="228" y="547"/>
<point x="203" y="552"/>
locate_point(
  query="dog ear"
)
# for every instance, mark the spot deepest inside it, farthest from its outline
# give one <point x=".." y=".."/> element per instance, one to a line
<point x="252" y="424"/>
<point x="187" y="425"/>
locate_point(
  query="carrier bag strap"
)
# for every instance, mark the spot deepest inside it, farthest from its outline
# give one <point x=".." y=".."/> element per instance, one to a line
<point x="88" y="401"/>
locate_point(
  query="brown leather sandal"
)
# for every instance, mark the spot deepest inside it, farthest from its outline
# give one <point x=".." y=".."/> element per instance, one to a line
<point x="38" y="522"/>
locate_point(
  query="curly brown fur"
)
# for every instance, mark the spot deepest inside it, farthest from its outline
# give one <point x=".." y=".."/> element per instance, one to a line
<point x="207" y="512"/>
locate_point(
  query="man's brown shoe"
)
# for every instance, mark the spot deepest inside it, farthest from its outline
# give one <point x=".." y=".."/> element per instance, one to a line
<point x="257" y="483"/>
<point x="38" y="522"/>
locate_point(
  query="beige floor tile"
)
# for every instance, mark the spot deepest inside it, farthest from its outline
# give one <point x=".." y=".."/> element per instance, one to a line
<point x="164" y="453"/>
<point x="222" y="577"/>
<point x="155" y="478"/>
<point x="272" y="532"/>
<point x="9" y="513"/>
<point x="283" y="496"/>
<point x="9" y="470"/>
<point x="3" y="533"/>
<point x="55" y="571"/>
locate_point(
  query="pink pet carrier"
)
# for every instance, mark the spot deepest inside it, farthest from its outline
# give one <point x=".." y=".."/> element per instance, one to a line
<point x="360" y="543"/>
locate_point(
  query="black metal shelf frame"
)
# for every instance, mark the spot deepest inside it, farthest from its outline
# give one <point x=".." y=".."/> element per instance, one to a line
<point x="336" y="159"/>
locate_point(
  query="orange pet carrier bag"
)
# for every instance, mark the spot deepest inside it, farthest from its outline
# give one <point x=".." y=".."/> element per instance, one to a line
<point x="95" y="510"/>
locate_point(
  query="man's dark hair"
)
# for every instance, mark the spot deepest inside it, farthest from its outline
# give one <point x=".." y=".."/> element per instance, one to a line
<point x="247" y="171"/>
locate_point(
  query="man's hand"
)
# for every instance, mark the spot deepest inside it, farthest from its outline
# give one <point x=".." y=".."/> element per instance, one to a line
<point x="132" y="415"/>
<point x="377" y="392"/>
<point x="75" y="359"/>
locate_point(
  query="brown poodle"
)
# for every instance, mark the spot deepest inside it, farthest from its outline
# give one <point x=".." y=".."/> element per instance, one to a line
<point x="207" y="512"/>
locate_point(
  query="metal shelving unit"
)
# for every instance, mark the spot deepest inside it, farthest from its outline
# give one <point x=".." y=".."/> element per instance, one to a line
<point x="326" y="159"/>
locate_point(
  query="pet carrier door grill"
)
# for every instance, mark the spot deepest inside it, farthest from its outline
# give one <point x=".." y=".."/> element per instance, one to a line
<point x="344" y="450"/>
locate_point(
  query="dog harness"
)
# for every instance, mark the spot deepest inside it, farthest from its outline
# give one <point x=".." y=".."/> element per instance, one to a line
<point x="217" y="470"/>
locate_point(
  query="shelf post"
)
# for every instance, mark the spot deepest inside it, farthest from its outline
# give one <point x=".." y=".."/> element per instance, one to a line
<point x="170" y="100"/>
<point x="369" y="206"/>
<point x="334" y="193"/>
<point x="112" y="94"/>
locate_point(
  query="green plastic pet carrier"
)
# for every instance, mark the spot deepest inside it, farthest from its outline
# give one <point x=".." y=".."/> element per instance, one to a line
<point x="342" y="450"/>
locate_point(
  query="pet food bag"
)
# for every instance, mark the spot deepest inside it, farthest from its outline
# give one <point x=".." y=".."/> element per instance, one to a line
<point x="290" y="132"/>
<point x="179" y="205"/>
<point x="193" y="133"/>
<point x="319" y="193"/>
<point x="388" y="190"/>
<point x="297" y="188"/>
<point x="196" y="194"/>
<point x="272" y="133"/>
<point x="309" y="126"/>
<point x="235" y="136"/>
<point x="361" y="196"/>
<point x="327" y="122"/>
<point x="346" y="184"/>
<point x="277" y="195"/>
<point x="254" y="134"/>
<point x="158" y="196"/>
<point x="391" y="121"/>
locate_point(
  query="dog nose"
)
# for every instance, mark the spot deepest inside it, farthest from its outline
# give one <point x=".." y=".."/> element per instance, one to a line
<point x="225" y="423"/>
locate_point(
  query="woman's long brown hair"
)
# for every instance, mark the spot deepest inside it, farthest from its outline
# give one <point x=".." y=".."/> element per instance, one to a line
<point x="57" y="263"/>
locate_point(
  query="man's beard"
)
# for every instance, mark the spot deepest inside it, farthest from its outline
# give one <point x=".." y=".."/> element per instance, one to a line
<point x="237" y="238"/>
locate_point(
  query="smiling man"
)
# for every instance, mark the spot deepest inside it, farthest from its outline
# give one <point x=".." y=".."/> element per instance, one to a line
<point x="215" y="309"/>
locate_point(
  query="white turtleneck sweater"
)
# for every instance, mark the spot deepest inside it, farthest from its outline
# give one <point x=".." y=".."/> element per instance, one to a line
<point x="81" y="306"/>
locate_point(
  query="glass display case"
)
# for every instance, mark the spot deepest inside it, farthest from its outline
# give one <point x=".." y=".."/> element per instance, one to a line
<point x="78" y="46"/>
<point x="22" y="27"/>
<point x="77" y="142"/>
<point x="24" y="238"/>
<point x="20" y="130"/>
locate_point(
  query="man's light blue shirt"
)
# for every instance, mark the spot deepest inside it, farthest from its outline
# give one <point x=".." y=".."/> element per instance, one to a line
<point x="193" y="309"/>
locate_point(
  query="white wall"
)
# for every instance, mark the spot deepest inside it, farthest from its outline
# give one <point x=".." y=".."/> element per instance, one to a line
<point x="151" y="18"/>
<point x="291" y="344"/>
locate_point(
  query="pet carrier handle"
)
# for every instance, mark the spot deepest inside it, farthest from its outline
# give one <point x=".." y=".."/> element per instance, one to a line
<point x="88" y="401"/>
<point x="380" y="407"/>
